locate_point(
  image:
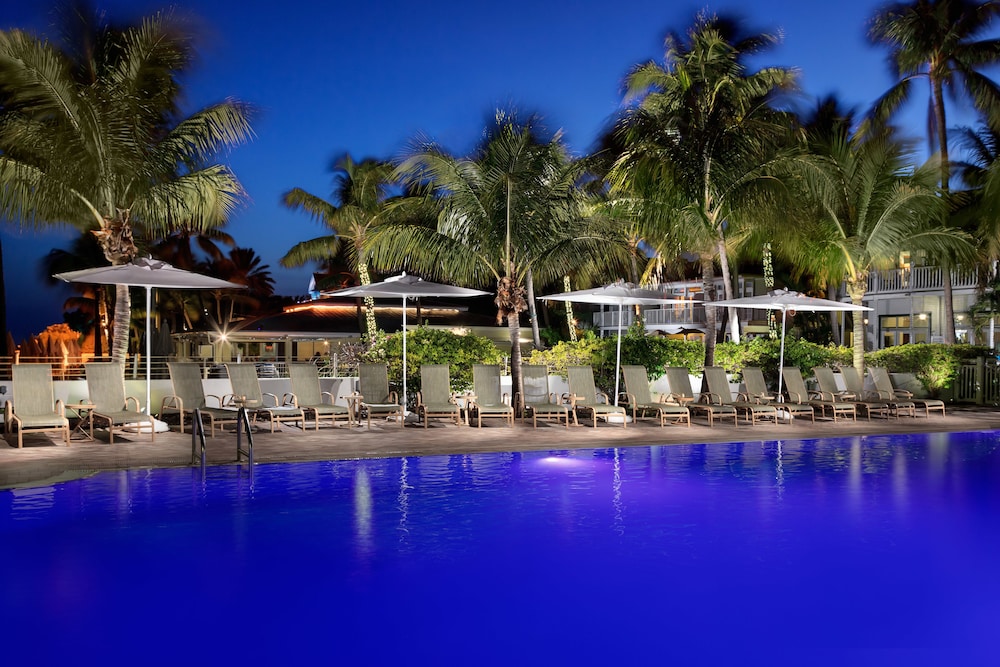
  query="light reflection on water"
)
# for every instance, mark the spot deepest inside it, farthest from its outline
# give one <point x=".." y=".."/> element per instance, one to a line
<point x="895" y="536"/>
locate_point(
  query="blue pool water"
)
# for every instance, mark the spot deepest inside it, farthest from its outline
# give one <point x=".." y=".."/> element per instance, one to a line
<point x="876" y="550"/>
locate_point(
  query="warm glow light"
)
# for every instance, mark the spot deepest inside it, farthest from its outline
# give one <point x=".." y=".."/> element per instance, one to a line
<point x="563" y="461"/>
<point x="923" y="316"/>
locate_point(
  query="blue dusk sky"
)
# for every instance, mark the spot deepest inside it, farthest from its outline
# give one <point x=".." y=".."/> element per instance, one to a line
<point x="366" y="77"/>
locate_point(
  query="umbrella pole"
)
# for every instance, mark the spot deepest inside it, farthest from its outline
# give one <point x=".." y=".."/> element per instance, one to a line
<point x="149" y="305"/>
<point x="781" y="355"/>
<point x="618" y="354"/>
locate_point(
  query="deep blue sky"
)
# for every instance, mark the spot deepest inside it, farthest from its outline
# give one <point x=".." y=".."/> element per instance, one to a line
<point x="365" y="77"/>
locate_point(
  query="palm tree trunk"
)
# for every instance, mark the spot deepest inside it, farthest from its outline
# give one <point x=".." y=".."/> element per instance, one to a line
<point x="948" y="326"/>
<point x="570" y="318"/>
<point x="708" y="288"/>
<point x="514" y="326"/>
<point x="536" y="336"/>
<point x="856" y="287"/>
<point x="120" y="331"/>
<point x="727" y="283"/>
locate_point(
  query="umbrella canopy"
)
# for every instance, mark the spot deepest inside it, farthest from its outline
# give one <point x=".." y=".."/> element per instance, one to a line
<point x="621" y="294"/>
<point x="148" y="273"/>
<point x="407" y="287"/>
<point x="785" y="300"/>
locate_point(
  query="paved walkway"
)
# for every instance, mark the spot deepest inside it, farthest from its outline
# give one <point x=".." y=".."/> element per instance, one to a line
<point x="41" y="461"/>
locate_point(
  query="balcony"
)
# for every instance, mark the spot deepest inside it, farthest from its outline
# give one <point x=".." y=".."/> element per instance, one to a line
<point x="686" y="315"/>
<point x="918" y="279"/>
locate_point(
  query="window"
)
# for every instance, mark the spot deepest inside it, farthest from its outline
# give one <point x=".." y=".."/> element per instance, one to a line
<point x="903" y="329"/>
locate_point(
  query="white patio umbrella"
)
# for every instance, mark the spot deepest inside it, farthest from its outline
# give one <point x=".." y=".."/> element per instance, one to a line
<point x="407" y="287"/>
<point x="621" y="294"/>
<point x="148" y="273"/>
<point x="785" y="300"/>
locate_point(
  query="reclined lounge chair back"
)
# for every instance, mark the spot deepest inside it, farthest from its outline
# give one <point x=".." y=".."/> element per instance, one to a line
<point x="34" y="407"/>
<point x="489" y="401"/>
<point x="585" y="398"/>
<point x="373" y="397"/>
<point x="852" y="394"/>
<point x="537" y="399"/>
<point x="795" y="386"/>
<point x="721" y="392"/>
<point x="309" y="397"/>
<point x="247" y="393"/>
<point x="640" y="400"/>
<point x="106" y="388"/>
<point x="435" y="398"/>
<point x="900" y="399"/>
<point x="189" y="394"/>
<point x="756" y="391"/>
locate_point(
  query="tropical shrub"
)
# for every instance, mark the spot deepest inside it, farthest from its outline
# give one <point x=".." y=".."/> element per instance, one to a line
<point x="652" y="352"/>
<point x="935" y="365"/>
<point x="433" y="346"/>
<point x="764" y="352"/>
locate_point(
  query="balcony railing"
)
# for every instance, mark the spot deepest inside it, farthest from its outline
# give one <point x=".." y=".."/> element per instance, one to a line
<point x="675" y="315"/>
<point x="918" y="279"/>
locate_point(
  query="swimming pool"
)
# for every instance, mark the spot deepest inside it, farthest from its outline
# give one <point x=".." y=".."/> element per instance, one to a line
<point x="874" y="546"/>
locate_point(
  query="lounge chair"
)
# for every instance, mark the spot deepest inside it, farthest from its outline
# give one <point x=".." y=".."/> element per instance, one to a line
<point x="679" y="380"/>
<point x="852" y="392"/>
<point x="487" y="400"/>
<point x="35" y="407"/>
<point x="719" y="391"/>
<point x="536" y="397"/>
<point x="756" y="391"/>
<point x="247" y="394"/>
<point x="106" y="388"/>
<point x="373" y="398"/>
<point x="435" y="398"/>
<point x="795" y="387"/>
<point x="584" y="397"/>
<point x="902" y="400"/>
<point x="641" y="402"/>
<point x="189" y="395"/>
<point x="307" y="395"/>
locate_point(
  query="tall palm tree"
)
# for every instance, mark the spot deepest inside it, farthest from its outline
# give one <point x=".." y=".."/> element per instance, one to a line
<point x="697" y="144"/>
<point x="91" y="136"/>
<point x="242" y="266"/>
<point x="362" y="193"/>
<point x="509" y="209"/>
<point x="938" y="40"/>
<point x="868" y="204"/>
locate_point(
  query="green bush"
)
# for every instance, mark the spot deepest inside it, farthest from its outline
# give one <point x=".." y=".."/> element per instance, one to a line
<point x="433" y="346"/>
<point x="764" y="352"/>
<point x="637" y="348"/>
<point x="934" y="364"/>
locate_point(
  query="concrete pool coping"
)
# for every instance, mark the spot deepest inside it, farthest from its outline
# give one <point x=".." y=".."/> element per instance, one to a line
<point x="42" y="461"/>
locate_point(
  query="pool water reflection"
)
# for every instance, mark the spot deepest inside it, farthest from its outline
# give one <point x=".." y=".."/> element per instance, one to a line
<point x="633" y="554"/>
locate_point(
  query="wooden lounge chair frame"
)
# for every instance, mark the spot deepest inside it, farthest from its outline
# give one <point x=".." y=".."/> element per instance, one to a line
<point x="679" y="379"/>
<point x="719" y="388"/>
<point x="106" y="389"/>
<point x="851" y="392"/>
<point x="247" y="394"/>
<point x="795" y="387"/>
<point x="756" y="391"/>
<point x="35" y="408"/>
<point x="486" y="399"/>
<point x="189" y="395"/>
<point x="308" y="396"/>
<point x="901" y="401"/>
<point x="536" y="397"/>
<point x="373" y="397"/>
<point x="584" y="397"/>
<point x="435" y="400"/>
<point x="640" y="400"/>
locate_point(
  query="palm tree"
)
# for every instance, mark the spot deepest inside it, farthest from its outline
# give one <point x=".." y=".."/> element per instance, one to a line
<point x="362" y="194"/>
<point x="697" y="144"/>
<point x="509" y="209"/>
<point x="937" y="40"/>
<point x="244" y="267"/>
<point x="869" y="204"/>
<point x="91" y="136"/>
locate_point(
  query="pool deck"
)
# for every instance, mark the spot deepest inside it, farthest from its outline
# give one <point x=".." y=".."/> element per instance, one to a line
<point x="44" y="460"/>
